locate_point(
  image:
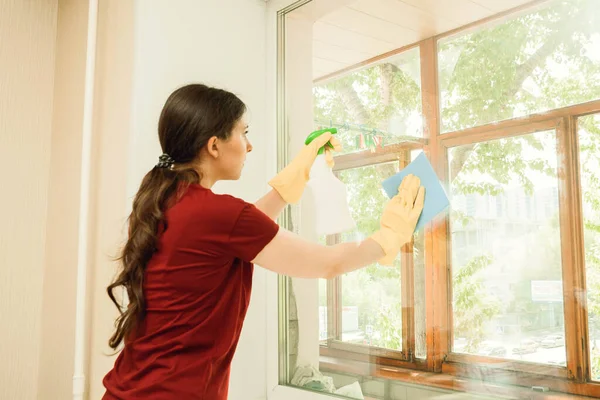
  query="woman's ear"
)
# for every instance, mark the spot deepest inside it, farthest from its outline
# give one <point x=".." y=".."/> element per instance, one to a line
<point x="212" y="146"/>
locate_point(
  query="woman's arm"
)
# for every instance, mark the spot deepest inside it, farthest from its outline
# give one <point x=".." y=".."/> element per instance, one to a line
<point x="288" y="254"/>
<point x="271" y="204"/>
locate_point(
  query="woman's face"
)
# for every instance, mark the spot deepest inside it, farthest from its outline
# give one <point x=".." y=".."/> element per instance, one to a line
<point x="234" y="152"/>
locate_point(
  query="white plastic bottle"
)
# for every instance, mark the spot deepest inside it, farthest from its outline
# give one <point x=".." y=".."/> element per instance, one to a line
<point x="328" y="200"/>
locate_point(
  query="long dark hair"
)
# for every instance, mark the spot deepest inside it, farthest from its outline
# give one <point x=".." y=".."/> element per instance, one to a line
<point x="190" y="117"/>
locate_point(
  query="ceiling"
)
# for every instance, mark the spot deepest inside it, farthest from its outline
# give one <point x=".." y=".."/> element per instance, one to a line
<point x="347" y="32"/>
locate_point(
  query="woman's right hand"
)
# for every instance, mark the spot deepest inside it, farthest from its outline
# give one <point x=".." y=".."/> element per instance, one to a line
<point x="291" y="181"/>
<point x="399" y="218"/>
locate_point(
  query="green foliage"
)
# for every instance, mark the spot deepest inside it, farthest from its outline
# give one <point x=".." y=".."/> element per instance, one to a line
<point x="374" y="289"/>
<point x="368" y="199"/>
<point x="388" y="325"/>
<point x="535" y="62"/>
<point x="516" y="68"/>
<point x="589" y="138"/>
<point x="502" y="160"/>
<point x="369" y="97"/>
<point x="473" y="307"/>
<point x="595" y="367"/>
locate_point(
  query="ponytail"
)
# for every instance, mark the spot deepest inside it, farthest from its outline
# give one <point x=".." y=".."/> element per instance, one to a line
<point x="156" y="191"/>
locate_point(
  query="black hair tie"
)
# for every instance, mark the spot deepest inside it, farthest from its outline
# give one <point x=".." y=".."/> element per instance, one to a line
<point x="165" y="161"/>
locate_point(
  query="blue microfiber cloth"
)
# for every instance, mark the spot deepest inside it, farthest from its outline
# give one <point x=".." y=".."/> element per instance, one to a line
<point x="436" y="199"/>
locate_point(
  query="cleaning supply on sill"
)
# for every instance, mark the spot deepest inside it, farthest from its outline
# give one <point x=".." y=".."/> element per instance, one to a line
<point x="309" y="377"/>
<point x="326" y="194"/>
<point x="436" y="199"/>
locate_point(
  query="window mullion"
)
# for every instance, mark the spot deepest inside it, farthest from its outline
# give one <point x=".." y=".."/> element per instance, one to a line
<point x="573" y="252"/>
<point x="436" y="263"/>
<point x="407" y="287"/>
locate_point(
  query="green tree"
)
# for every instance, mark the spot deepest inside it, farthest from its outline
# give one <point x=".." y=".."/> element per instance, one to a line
<point x="535" y="62"/>
<point x="375" y="290"/>
<point x="470" y="296"/>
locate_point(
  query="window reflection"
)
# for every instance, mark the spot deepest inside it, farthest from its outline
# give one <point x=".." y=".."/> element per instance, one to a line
<point x="506" y="254"/>
<point x="371" y="296"/>
<point x="382" y="331"/>
<point x="540" y="60"/>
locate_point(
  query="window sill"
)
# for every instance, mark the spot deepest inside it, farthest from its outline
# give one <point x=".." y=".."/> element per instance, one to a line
<point x="452" y="378"/>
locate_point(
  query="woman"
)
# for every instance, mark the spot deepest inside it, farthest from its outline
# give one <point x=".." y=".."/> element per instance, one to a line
<point x="188" y="261"/>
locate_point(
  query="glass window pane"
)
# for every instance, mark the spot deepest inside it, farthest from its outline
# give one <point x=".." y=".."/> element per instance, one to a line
<point x="589" y="144"/>
<point x="506" y="254"/>
<point x="371" y="296"/>
<point x="374" y="106"/>
<point x="540" y="60"/>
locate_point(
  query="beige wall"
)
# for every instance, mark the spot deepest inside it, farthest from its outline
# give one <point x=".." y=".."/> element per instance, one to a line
<point x="27" y="54"/>
<point x="60" y="276"/>
<point x="112" y="132"/>
<point x="42" y="71"/>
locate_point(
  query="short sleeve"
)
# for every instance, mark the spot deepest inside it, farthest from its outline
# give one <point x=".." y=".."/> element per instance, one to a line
<point x="252" y="231"/>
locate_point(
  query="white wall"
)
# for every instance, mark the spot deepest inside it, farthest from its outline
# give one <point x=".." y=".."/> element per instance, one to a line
<point x="217" y="42"/>
<point x="220" y="43"/>
<point x="27" y="54"/>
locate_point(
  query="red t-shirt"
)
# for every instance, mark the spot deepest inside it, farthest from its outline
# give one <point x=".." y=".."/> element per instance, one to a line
<point x="197" y="288"/>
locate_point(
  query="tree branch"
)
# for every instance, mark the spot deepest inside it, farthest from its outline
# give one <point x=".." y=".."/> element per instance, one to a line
<point x="353" y="104"/>
<point x="537" y="59"/>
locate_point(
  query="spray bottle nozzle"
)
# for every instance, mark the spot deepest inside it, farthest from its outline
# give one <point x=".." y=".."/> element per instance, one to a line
<point x="318" y="133"/>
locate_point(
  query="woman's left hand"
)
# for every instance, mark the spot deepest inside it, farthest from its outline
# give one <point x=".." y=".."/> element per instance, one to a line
<point x="291" y="181"/>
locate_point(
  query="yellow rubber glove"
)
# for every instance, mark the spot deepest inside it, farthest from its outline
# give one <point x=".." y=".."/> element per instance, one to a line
<point x="291" y="181"/>
<point x="399" y="218"/>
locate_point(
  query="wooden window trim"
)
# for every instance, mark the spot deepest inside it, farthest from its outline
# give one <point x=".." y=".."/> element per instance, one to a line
<point x="353" y="350"/>
<point x="459" y="377"/>
<point x="523" y="128"/>
<point x="442" y="364"/>
<point x="571" y="245"/>
<point x="513" y="127"/>
<point x="437" y="287"/>
<point x="407" y="285"/>
<point x="573" y="251"/>
<point x="389" y="153"/>
<point x="502" y="365"/>
<point x="523" y="379"/>
<point x="575" y="377"/>
<point x="369" y="355"/>
<point x="400" y="153"/>
<point x="408" y="301"/>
